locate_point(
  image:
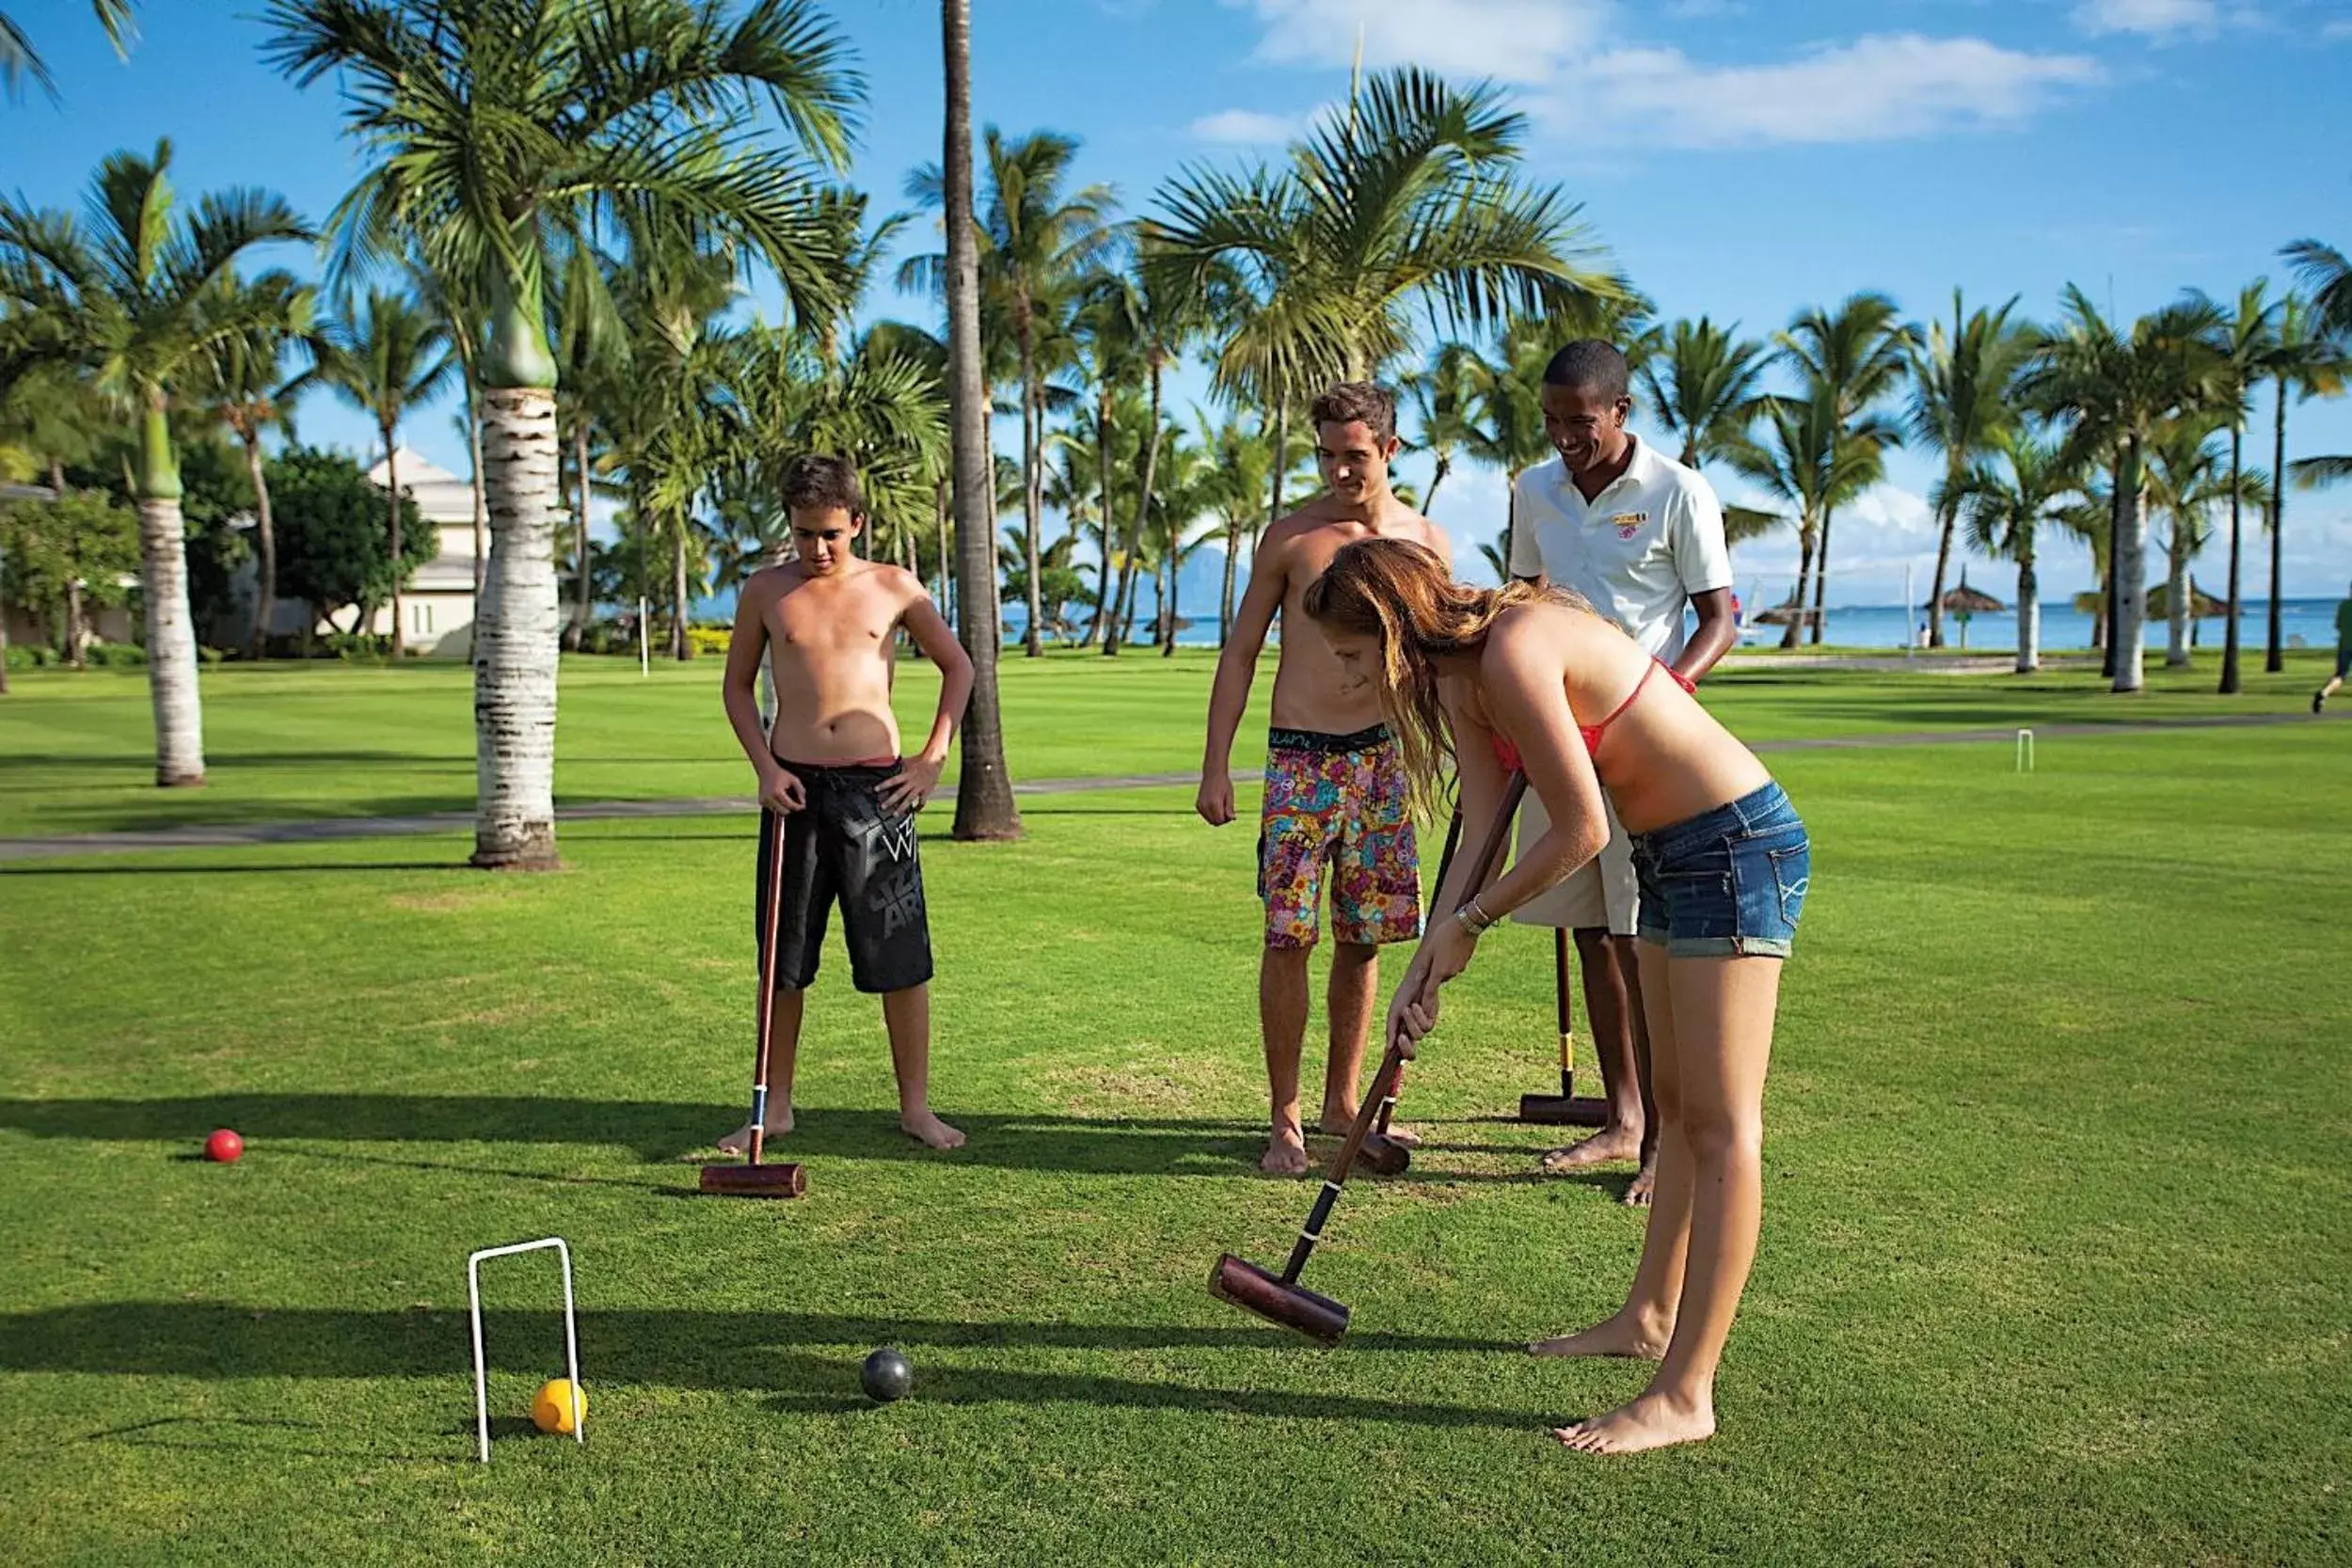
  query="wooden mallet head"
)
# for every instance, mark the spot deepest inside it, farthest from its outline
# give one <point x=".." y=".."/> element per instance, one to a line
<point x="1261" y="1290"/>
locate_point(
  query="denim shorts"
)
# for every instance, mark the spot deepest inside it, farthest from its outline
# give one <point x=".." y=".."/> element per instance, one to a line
<point x="1729" y="882"/>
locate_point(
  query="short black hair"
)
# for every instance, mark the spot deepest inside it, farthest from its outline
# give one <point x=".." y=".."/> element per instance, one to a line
<point x="818" y="481"/>
<point x="1592" y="364"/>
<point x="1349" y="401"/>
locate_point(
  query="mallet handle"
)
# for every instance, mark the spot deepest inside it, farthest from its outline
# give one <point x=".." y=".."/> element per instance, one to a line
<point x="1560" y="990"/>
<point x="771" y="921"/>
<point x="1445" y="864"/>
<point x="1384" y="1083"/>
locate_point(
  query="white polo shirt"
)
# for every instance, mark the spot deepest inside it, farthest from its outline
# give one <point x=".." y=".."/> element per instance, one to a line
<point x="1638" y="550"/>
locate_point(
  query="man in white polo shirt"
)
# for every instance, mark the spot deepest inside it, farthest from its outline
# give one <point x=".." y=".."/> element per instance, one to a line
<point x="1641" y="536"/>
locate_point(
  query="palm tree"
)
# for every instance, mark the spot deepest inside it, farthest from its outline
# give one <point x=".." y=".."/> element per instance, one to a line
<point x="1813" y="459"/>
<point x="1442" y="397"/>
<point x="2308" y="358"/>
<point x="244" y="383"/>
<point x="1506" y="427"/>
<point x="1168" y="312"/>
<point x="18" y="59"/>
<point x="2008" y="497"/>
<point x="1702" y="384"/>
<point x="1406" y="202"/>
<point x="1962" y="377"/>
<point x="1038" y="243"/>
<point x="630" y="114"/>
<point x="985" y="805"/>
<point x="1108" y="324"/>
<point x="452" y="298"/>
<point x="2248" y="343"/>
<point x="134" y="298"/>
<point x="2119" y="388"/>
<point x="386" y="359"/>
<point x="592" y="356"/>
<point x="1241" y="461"/>
<point x="1854" y="356"/>
<point x="2187" y="478"/>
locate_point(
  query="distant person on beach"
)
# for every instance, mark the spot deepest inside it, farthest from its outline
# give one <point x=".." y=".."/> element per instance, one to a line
<point x="2344" y="657"/>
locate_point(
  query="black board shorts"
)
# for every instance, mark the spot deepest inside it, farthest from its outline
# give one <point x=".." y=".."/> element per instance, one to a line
<point x="845" y="846"/>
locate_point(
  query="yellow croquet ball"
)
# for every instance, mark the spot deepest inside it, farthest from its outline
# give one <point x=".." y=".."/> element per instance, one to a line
<point x="560" y="1407"/>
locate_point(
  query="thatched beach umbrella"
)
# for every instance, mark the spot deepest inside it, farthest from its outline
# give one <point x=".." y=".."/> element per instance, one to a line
<point x="1962" y="601"/>
<point x="2201" y="605"/>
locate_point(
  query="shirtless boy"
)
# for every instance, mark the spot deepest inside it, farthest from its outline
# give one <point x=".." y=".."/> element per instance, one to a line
<point x="1335" y="785"/>
<point x="831" y="778"/>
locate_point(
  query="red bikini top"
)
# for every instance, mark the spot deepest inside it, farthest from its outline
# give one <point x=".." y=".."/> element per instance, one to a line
<point x="1508" y="755"/>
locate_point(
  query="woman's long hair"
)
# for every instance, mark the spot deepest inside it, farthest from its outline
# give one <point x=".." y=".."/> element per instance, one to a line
<point x="1401" y="594"/>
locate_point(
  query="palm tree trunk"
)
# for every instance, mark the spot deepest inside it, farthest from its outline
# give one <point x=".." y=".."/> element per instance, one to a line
<point x="2131" y="572"/>
<point x="517" y="635"/>
<point x="481" y="497"/>
<point x="1949" y="516"/>
<point x="984" y="806"/>
<point x="1225" y="605"/>
<point x="1151" y="461"/>
<point x="1281" y="461"/>
<point x="2113" y="585"/>
<point x="1436" y="477"/>
<point x="265" y="541"/>
<point x="1175" y="613"/>
<point x="2274" y="655"/>
<point x="1820" y="579"/>
<point x="391" y="494"/>
<point x="1032" y="483"/>
<point x="576" y="631"/>
<point x="2029" y="615"/>
<point x="946" y="560"/>
<point x="1100" y="626"/>
<point x="2229" y="633"/>
<point x="1795" y="629"/>
<point x="679" y="644"/>
<point x="171" y="663"/>
<point x="2177" y="608"/>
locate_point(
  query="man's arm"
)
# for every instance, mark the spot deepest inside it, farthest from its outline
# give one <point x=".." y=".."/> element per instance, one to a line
<point x="931" y="633"/>
<point x="1526" y="559"/>
<point x="1703" y="563"/>
<point x="1237" y="667"/>
<point x="1719" y="631"/>
<point x="747" y="645"/>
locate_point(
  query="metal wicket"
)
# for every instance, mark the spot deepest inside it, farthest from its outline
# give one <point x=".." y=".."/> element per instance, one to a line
<point x="571" y="1336"/>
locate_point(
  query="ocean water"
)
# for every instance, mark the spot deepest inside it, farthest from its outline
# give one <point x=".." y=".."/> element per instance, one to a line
<point x="2304" y="623"/>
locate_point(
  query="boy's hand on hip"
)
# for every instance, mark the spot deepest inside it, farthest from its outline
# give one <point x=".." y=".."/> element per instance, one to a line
<point x="911" y="786"/>
<point x="780" y="791"/>
<point x="1216" y="801"/>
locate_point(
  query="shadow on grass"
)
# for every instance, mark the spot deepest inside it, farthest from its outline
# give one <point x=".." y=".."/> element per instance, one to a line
<point x="665" y="1132"/>
<point x="781" y="1354"/>
<point x="255" y="1434"/>
<point x="152" y="869"/>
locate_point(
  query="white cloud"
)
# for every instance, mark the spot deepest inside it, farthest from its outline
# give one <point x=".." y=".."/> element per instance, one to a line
<point x="1884" y="87"/>
<point x="1512" y="41"/>
<point x="2337" y="32"/>
<point x="1245" y="128"/>
<point x="1878" y="88"/>
<point x="2155" y="19"/>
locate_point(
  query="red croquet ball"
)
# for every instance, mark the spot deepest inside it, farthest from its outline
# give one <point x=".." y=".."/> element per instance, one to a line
<point x="224" y="1146"/>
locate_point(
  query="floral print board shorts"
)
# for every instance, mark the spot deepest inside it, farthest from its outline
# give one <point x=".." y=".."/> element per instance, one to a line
<point x="1341" y="802"/>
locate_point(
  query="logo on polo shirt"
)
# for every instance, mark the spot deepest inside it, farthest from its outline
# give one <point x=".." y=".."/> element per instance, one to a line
<point x="1627" y="524"/>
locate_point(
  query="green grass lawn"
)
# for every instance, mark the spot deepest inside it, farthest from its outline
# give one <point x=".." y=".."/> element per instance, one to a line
<point x="290" y="741"/>
<point x="2056" y="1251"/>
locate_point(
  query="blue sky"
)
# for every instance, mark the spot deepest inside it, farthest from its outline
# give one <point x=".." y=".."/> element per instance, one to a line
<point x="1737" y="159"/>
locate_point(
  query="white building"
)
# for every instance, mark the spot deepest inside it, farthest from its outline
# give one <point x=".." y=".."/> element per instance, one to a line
<point x="438" y="600"/>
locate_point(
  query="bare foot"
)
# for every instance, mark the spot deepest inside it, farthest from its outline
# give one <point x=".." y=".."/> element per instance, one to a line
<point x="739" y="1141"/>
<point x="1649" y="1421"/>
<point x="1609" y="1144"/>
<point x="1637" y="1196"/>
<point x="1623" y="1334"/>
<point x="1285" y="1153"/>
<point x="1338" y="1123"/>
<point x="929" y="1130"/>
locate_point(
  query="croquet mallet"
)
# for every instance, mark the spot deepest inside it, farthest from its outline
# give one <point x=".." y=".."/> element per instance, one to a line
<point x="1568" y="1108"/>
<point x="752" y="1179"/>
<point x="1279" y="1298"/>
<point x="1383" y="1155"/>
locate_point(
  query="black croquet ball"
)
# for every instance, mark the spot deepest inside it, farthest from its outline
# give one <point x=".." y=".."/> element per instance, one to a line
<point x="887" y="1376"/>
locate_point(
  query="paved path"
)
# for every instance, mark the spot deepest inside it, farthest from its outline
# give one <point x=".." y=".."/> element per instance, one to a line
<point x="331" y="829"/>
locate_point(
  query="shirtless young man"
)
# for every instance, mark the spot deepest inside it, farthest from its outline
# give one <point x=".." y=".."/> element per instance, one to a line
<point x="1335" y="786"/>
<point x="831" y="778"/>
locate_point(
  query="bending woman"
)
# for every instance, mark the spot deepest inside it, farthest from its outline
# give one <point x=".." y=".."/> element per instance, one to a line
<point x="1527" y="679"/>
